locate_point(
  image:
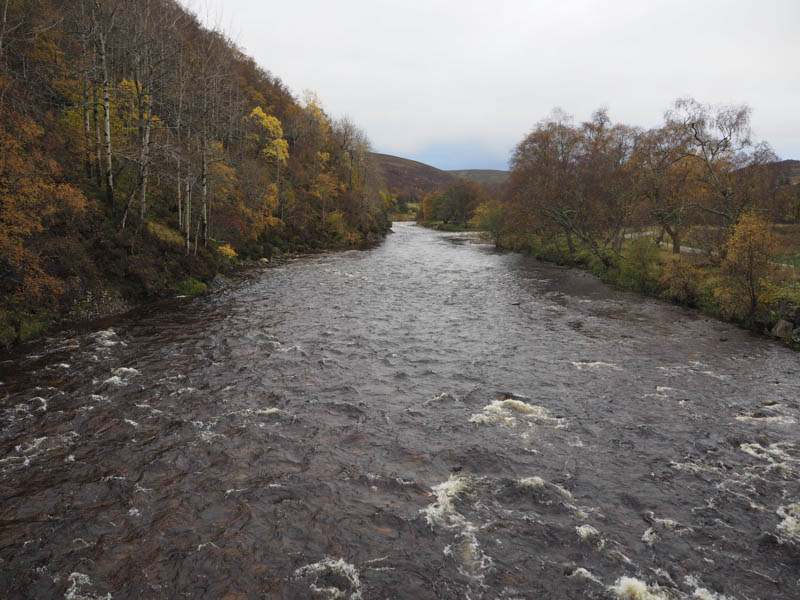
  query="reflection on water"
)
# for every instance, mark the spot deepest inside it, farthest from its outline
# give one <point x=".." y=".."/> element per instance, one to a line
<point x="427" y="419"/>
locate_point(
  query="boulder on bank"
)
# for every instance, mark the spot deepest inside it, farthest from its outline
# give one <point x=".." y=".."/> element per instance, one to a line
<point x="783" y="330"/>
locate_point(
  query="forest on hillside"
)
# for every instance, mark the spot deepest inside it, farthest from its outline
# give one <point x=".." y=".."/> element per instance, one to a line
<point x="141" y="152"/>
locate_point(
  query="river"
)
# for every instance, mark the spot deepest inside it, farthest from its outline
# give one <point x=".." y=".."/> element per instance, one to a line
<point x="426" y="419"/>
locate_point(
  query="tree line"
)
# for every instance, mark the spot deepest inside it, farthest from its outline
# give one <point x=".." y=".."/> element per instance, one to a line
<point x="611" y="195"/>
<point x="128" y="130"/>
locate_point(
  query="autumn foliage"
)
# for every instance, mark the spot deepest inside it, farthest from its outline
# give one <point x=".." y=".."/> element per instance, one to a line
<point x="126" y="126"/>
<point x="620" y="200"/>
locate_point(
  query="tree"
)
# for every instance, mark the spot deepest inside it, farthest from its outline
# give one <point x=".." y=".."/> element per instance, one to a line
<point x="747" y="263"/>
<point x="720" y="139"/>
<point x="459" y="200"/>
<point x="667" y="179"/>
<point x="488" y="217"/>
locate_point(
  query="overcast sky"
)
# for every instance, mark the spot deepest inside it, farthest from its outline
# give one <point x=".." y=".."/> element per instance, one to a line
<point x="457" y="84"/>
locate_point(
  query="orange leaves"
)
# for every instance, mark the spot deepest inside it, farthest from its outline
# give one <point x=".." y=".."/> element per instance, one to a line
<point x="30" y="201"/>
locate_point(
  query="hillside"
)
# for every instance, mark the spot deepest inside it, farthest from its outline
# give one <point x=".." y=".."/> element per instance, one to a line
<point x="484" y="176"/>
<point x="792" y="170"/>
<point x="141" y="153"/>
<point x="405" y="176"/>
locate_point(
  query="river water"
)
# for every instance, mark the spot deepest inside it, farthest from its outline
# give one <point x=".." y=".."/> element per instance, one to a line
<point x="426" y="419"/>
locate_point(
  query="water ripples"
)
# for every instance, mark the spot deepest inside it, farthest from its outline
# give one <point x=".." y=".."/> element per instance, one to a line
<point x="427" y="419"/>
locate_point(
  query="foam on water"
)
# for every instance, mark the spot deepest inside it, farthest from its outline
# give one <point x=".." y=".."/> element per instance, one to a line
<point x="775" y="455"/>
<point x="789" y="528"/>
<point x="590" y="535"/>
<point x="182" y="391"/>
<point x="650" y="536"/>
<point x="630" y="588"/>
<point x="665" y="524"/>
<point x="209" y="437"/>
<point x="122" y="371"/>
<point x="702" y="593"/>
<point x="473" y="561"/>
<point x="106" y="338"/>
<point x="443" y="512"/>
<point x="593" y="365"/>
<point x="337" y="567"/>
<point x="443" y="397"/>
<point x="530" y="482"/>
<point x="581" y="573"/>
<point x="512" y="413"/>
<point x="77" y="581"/>
<point x="767" y="420"/>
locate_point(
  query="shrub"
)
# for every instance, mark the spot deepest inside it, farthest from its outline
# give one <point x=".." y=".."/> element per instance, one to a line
<point x="680" y="282"/>
<point x="227" y="252"/>
<point x="191" y="287"/>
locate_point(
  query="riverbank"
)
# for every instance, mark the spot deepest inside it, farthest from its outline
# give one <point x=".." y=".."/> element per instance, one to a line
<point x="114" y="284"/>
<point x="691" y="280"/>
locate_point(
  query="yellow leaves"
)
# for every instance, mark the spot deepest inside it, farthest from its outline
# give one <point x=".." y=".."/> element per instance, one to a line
<point x="680" y="281"/>
<point x="226" y="251"/>
<point x="276" y="150"/>
<point x="335" y="225"/>
<point x="313" y="106"/>
<point x="274" y="223"/>
<point x="747" y="263"/>
<point x="387" y="199"/>
<point x="271" y="199"/>
<point x="267" y="136"/>
<point x="324" y="186"/>
<point x="751" y="245"/>
<point x="225" y="180"/>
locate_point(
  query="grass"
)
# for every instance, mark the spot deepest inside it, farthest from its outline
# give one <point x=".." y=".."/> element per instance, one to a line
<point x="789" y="259"/>
<point x="169" y="236"/>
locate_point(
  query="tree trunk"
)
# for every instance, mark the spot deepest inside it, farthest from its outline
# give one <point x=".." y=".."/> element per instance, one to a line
<point x="187" y="213"/>
<point x="180" y="197"/>
<point x="109" y="173"/>
<point x="676" y="243"/>
<point x="144" y="165"/>
<point x="98" y="143"/>
<point x="570" y="243"/>
<point x="87" y="129"/>
<point x="204" y="196"/>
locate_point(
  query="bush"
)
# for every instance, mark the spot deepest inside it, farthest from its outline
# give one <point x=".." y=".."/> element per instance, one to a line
<point x="191" y="287"/>
<point x="8" y="332"/>
<point x="227" y="252"/>
<point x="636" y="268"/>
<point x="31" y="326"/>
<point x="680" y="282"/>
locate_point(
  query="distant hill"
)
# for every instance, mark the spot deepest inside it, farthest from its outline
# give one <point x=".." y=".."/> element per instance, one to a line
<point x="485" y="176"/>
<point x="405" y="176"/>
<point x="792" y="169"/>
